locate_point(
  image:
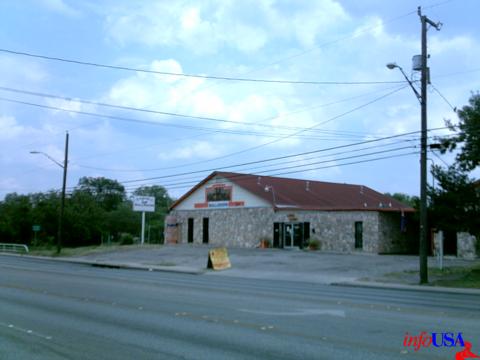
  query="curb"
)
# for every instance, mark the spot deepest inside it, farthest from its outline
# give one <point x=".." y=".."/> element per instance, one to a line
<point x="435" y="289"/>
<point x="116" y="265"/>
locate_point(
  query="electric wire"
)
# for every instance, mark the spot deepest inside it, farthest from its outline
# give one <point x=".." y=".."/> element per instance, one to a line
<point x="209" y="77"/>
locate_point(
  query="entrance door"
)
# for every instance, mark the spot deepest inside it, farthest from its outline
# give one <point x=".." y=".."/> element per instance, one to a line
<point x="293" y="235"/>
<point x="288" y="235"/>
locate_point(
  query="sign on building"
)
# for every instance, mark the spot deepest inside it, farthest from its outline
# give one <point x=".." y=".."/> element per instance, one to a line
<point x="144" y="203"/>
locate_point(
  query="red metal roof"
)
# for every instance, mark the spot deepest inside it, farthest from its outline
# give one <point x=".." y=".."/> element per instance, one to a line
<point x="286" y="193"/>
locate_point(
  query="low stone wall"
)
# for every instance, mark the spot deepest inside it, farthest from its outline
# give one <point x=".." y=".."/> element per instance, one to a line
<point x="466" y="246"/>
<point x="392" y="238"/>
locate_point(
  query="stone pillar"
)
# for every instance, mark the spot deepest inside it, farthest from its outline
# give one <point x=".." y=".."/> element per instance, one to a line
<point x="466" y="245"/>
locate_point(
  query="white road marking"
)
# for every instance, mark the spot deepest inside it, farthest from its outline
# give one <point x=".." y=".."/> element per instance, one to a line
<point x="302" y="312"/>
<point x="26" y="331"/>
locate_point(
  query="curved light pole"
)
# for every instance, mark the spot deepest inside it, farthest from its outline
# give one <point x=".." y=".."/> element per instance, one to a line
<point x="64" y="184"/>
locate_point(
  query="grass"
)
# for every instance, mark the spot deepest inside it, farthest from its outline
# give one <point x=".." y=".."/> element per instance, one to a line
<point x="459" y="277"/>
<point x="81" y="251"/>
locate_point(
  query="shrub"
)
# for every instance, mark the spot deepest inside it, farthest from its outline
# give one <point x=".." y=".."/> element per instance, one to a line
<point x="126" y="239"/>
<point x="314" y="244"/>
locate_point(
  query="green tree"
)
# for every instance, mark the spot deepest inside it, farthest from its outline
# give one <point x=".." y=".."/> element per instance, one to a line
<point x="16" y="219"/>
<point x="455" y="203"/>
<point x="108" y="193"/>
<point x="467" y="139"/>
<point x="84" y="220"/>
<point x="412" y="201"/>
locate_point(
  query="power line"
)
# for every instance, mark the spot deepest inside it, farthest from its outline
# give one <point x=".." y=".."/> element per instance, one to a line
<point x="157" y="112"/>
<point x="209" y="77"/>
<point x="186" y="185"/>
<point x="149" y="122"/>
<point x="326" y="161"/>
<point x="238" y="132"/>
<point x="444" y="98"/>
<point x="276" y="158"/>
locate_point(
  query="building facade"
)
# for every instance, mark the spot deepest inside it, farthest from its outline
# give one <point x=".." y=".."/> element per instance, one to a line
<point x="230" y="209"/>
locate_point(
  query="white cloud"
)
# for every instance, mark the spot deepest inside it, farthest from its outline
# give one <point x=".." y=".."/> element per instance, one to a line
<point x="9" y="129"/>
<point x="65" y="105"/>
<point x="438" y="45"/>
<point x="197" y="150"/>
<point x="61" y="7"/>
<point x="204" y="27"/>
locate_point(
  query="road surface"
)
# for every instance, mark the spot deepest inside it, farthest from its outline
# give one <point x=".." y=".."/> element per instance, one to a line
<point x="55" y="310"/>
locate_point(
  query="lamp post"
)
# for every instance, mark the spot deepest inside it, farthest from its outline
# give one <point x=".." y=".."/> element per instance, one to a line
<point x="422" y="98"/>
<point x="64" y="184"/>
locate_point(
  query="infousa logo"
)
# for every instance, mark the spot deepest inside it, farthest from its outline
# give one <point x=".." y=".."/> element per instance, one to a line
<point x="439" y="340"/>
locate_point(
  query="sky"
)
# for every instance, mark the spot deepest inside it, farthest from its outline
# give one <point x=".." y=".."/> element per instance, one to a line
<point x="165" y="92"/>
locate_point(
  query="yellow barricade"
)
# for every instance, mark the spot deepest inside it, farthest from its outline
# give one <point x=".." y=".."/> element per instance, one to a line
<point x="218" y="259"/>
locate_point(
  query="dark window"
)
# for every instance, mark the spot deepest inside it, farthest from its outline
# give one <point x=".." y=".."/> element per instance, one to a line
<point x="190" y="230"/>
<point x="358" y="235"/>
<point x="277" y="235"/>
<point x="205" y="230"/>
<point x="298" y="235"/>
<point x="306" y="233"/>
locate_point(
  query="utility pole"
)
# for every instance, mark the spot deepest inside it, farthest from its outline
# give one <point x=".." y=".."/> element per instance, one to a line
<point x="423" y="246"/>
<point x="62" y="204"/>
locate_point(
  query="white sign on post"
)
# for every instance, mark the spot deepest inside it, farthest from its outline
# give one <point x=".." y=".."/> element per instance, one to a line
<point x="143" y="204"/>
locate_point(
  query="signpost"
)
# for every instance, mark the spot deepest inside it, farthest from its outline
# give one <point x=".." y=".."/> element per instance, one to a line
<point x="143" y="204"/>
<point x="36" y="229"/>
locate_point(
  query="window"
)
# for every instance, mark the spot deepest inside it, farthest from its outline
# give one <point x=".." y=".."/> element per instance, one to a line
<point x="358" y="235"/>
<point x="205" y="230"/>
<point x="190" y="230"/>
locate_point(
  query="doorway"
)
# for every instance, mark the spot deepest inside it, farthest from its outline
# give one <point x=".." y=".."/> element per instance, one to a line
<point x="289" y="235"/>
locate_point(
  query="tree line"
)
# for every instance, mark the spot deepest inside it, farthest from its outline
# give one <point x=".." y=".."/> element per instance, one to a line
<point x="97" y="211"/>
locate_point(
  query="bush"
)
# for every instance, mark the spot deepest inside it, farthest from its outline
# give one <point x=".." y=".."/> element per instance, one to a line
<point x="126" y="239"/>
<point x="314" y="244"/>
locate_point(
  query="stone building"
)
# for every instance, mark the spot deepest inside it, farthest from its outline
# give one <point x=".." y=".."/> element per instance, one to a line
<point x="231" y="209"/>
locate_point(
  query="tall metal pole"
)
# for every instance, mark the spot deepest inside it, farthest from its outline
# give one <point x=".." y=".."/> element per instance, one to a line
<point x="62" y="204"/>
<point x="423" y="246"/>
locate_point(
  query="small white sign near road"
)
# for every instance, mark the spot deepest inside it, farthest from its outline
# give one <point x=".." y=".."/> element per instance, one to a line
<point x="144" y="203"/>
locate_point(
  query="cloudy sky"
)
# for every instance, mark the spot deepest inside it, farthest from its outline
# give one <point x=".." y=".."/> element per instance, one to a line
<point x="165" y="98"/>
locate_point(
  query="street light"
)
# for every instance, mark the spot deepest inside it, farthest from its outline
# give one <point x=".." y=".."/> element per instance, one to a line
<point x="392" y="66"/>
<point x="64" y="183"/>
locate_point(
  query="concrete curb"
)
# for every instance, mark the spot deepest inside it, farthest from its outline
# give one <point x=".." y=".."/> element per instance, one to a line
<point x="117" y="265"/>
<point x="378" y="285"/>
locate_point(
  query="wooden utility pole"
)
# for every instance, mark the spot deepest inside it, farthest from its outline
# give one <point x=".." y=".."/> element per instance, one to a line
<point x="423" y="246"/>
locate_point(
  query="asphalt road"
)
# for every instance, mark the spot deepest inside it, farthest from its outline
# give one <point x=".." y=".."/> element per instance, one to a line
<point x="52" y="310"/>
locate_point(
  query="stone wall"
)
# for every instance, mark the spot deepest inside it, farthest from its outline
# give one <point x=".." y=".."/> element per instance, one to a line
<point x="336" y="229"/>
<point x="392" y="240"/>
<point x="466" y="246"/>
<point x="245" y="227"/>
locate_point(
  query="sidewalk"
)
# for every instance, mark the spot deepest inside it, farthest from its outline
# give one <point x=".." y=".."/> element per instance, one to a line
<point x="358" y="269"/>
